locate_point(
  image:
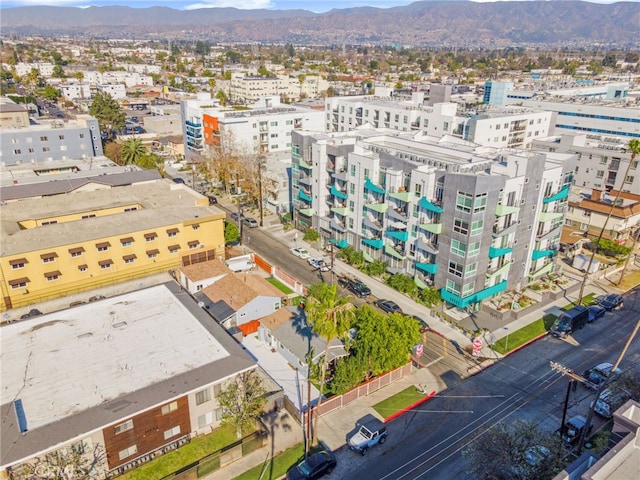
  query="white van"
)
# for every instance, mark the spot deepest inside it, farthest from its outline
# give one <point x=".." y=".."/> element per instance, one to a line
<point x="242" y="263"/>
<point x="609" y="402"/>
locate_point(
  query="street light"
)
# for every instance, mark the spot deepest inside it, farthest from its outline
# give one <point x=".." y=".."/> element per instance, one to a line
<point x="261" y="163"/>
<point x="506" y="346"/>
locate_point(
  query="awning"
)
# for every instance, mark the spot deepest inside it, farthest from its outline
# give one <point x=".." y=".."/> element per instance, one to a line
<point x="172" y="231"/>
<point x="18" y="281"/>
<point x="499" y="252"/>
<point x="398" y="235"/>
<point x="338" y="193"/>
<point x="427" y="267"/>
<point x="150" y="236"/>
<point x="342" y="243"/>
<point x="427" y="205"/>
<point x="375" y="243"/>
<point x="48" y="255"/>
<point x="369" y="185"/>
<point x="55" y="273"/>
<point x="76" y="250"/>
<point x="155" y="251"/>
<point x="18" y="261"/>
<point x="103" y="245"/>
<point x="193" y="243"/>
<point x="563" y="193"/>
<point x="389" y="250"/>
<point x="126" y="240"/>
<point x="104" y="263"/>
<point x="129" y="257"/>
<point x="173" y="247"/>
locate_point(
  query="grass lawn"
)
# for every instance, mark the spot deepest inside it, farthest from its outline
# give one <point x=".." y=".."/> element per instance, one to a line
<point x="522" y="336"/>
<point x="586" y="300"/>
<point x="275" y="467"/>
<point x="630" y="280"/>
<point x="196" y="449"/>
<point x="398" y="401"/>
<point x="280" y="286"/>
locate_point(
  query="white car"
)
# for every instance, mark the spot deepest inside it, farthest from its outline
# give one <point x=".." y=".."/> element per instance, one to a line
<point x="319" y="264"/>
<point x="300" y="252"/>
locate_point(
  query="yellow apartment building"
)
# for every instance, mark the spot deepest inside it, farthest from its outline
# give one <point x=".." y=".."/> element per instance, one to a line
<point x="55" y="246"/>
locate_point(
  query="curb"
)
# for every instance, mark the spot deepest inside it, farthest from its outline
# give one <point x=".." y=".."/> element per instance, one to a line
<point x="409" y="407"/>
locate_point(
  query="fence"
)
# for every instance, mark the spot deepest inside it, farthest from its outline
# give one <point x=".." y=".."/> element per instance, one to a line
<point x="280" y="275"/>
<point x="362" y="390"/>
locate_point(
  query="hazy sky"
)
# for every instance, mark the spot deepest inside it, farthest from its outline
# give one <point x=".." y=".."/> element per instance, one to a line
<point x="313" y="5"/>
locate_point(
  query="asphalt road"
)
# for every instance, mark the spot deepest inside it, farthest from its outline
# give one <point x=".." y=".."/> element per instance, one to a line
<point x="427" y="442"/>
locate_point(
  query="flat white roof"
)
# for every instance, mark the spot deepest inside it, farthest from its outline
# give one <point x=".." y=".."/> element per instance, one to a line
<point x="66" y="362"/>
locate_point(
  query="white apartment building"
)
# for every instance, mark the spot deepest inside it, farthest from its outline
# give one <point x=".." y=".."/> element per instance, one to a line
<point x="130" y="79"/>
<point x="141" y="68"/>
<point x="72" y="91"/>
<point x="116" y="90"/>
<point x="499" y="127"/>
<point x="603" y="162"/>
<point x="45" y="69"/>
<point x="469" y="220"/>
<point x="251" y="88"/>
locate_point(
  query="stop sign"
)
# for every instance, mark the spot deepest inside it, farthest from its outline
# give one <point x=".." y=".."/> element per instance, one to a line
<point x="477" y="346"/>
<point x="419" y="350"/>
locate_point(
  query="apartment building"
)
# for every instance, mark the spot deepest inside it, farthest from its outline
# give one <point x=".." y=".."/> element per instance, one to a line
<point x="495" y="93"/>
<point x="12" y="115"/>
<point x="468" y="220"/>
<point x="603" y="161"/>
<point x="499" y="127"/>
<point x="263" y="128"/>
<point x="118" y="381"/>
<point x="117" y="91"/>
<point x="44" y="69"/>
<point x="98" y="236"/>
<point x="248" y="89"/>
<point x="73" y="91"/>
<point x="50" y="141"/>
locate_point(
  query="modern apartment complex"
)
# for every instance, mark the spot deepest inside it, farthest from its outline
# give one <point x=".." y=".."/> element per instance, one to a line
<point x="99" y="235"/>
<point x="469" y="220"/>
<point x="499" y="127"/>
<point x="118" y="382"/>
<point x="50" y="141"/>
<point x="603" y="162"/>
<point x="263" y="128"/>
<point x="248" y="89"/>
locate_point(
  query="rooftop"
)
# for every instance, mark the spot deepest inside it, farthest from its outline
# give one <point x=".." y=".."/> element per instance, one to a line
<point x="85" y="367"/>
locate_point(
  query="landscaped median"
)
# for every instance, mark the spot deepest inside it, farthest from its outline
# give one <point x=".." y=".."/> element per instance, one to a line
<point x="401" y="402"/>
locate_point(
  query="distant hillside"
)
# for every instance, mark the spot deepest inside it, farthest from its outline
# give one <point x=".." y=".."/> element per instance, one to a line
<point x="454" y="23"/>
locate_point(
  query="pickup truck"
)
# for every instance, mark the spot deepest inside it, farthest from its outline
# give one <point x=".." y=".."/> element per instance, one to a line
<point x="355" y="286"/>
<point x="369" y="432"/>
<point x="573" y="430"/>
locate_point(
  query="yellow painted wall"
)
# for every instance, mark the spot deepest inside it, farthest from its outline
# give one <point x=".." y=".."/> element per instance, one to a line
<point x="207" y="231"/>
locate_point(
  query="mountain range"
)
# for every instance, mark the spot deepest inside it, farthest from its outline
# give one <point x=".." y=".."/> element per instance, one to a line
<point x="425" y="23"/>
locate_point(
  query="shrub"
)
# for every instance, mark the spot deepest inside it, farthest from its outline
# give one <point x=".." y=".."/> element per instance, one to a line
<point x="311" y="235"/>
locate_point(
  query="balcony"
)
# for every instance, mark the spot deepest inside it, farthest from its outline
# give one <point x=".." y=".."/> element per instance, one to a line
<point x="394" y="252"/>
<point x="307" y="212"/>
<point x="337" y="225"/>
<point x="304" y="164"/>
<point x="342" y="211"/>
<point x="377" y="207"/>
<point x="547" y="268"/>
<point x="427" y="246"/>
<point x="460" y="302"/>
<point x="397" y="213"/>
<point x="400" y="235"/>
<point x="435" y="228"/>
<point x="337" y="193"/>
<point x="553" y="231"/>
<point x="341" y="175"/>
<point x="499" y="270"/>
<point x="331" y="167"/>
<point x="499" y="252"/>
<point x="402" y="196"/>
<point x="562" y="194"/>
<point x="431" y="268"/>
<point x="376" y="243"/>
<point x="549" y="216"/>
<point x="538" y="254"/>
<point x="305" y="180"/>
<point x="304" y="196"/>
<point x="502" y="210"/>
<point x="372" y="222"/>
<point x="193" y="124"/>
<point x="505" y="230"/>
<point x="427" y="205"/>
<point x="369" y="185"/>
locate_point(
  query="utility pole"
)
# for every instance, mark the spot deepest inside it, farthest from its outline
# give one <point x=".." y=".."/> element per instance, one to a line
<point x="626" y="262"/>
<point x="572" y="377"/>
<point x="261" y="162"/>
<point x="239" y="205"/>
<point x="332" y="265"/>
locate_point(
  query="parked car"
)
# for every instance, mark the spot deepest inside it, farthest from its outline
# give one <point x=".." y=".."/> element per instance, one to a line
<point x="250" y="222"/>
<point x="355" y="286"/>
<point x="424" y="326"/>
<point x="34" y="312"/>
<point x="611" y="302"/>
<point x="388" y="306"/>
<point x="178" y="180"/>
<point x="314" y="466"/>
<point x="369" y="432"/>
<point x="300" y="252"/>
<point x="573" y="430"/>
<point x="609" y="401"/>
<point x="319" y="264"/>
<point x="234" y="216"/>
<point x="212" y="200"/>
<point x="595" y="312"/>
<point x="597" y="375"/>
<point x="570" y="321"/>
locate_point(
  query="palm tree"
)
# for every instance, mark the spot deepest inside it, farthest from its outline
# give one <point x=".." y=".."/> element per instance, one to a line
<point x="330" y="316"/>
<point x="133" y="151"/>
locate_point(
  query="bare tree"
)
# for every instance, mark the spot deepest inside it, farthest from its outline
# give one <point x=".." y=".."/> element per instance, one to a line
<point x="80" y="460"/>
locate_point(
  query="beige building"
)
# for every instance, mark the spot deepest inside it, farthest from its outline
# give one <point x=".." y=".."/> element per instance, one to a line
<point x="13" y="115"/>
<point x="98" y="236"/>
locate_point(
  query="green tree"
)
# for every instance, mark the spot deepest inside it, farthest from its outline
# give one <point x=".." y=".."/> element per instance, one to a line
<point x="349" y="372"/>
<point x="383" y="342"/>
<point x="109" y="114"/>
<point x="430" y="296"/>
<point x="242" y="400"/>
<point x="50" y="93"/>
<point x="376" y="268"/>
<point x="231" y="232"/>
<point x="58" y="72"/>
<point x="330" y="316"/>
<point x="403" y="283"/>
<point x="132" y="151"/>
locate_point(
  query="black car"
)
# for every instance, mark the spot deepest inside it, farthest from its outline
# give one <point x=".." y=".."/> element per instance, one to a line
<point x="314" y="466"/>
<point x="212" y="200"/>
<point x="178" y="180"/>
<point x="355" y="286"/>
<point x="388" y="306"/>
<point x="424" y="326"/>
<point x="611" y="302"/>
<point x="34" y="312"/>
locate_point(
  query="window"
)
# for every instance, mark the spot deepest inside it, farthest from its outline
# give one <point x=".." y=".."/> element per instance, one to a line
<point x="52" y="276"/>
<point x="18" y="263"/>
<point x="150" y="237"/>
<point x="458" y="248"/>
<point x="103" y="247"/>
<point x="353" y="170"/>
<point x="48" y="257"/>
<point x="474" y="249"/>
<point x="82" y="268"/>
<point x="476" y="227"/>
<point x="452" y="287"/>
<point x="46" y="149"/>
<point x="172" y="432"/>
<point x="127" y="452"/>
<point x="468" y="289"/>
<point x="82" y="135"/>
<point x="129" y="258"/>
<point x="203" y="396"/>
<point x="471" y="270"/>
<point x="105" y="264"/>
<point x="206" y="419"/>
<point x="193" y="244"/>
<point x="44" y="139"/>
<point x="17" y="151"/>
<point x="195" y="227"/>
<point x="172" y="232"/>
<point x="464" y="202"/>
<point x="126" y="242"/>
<point x="481" y="203"/>
<point x="460" y="226"/>
<point x="152" y="253"/>
<point x="366" y="173"/>
<point x="352" y="188"/>
<point x="174" y="248"/>
<point x="18" y="283"/>
<point x="351" y="205"/>
<point x="273" y="124"/>
<point x="169" y="407"/>
<point x="599" y="173"/>
<point x="123" y="427"/>
<point x="50" y="222"/>
<point x="629" y="179"/>
<point x="455" y="269"/>
<point x="61" y="137"/>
